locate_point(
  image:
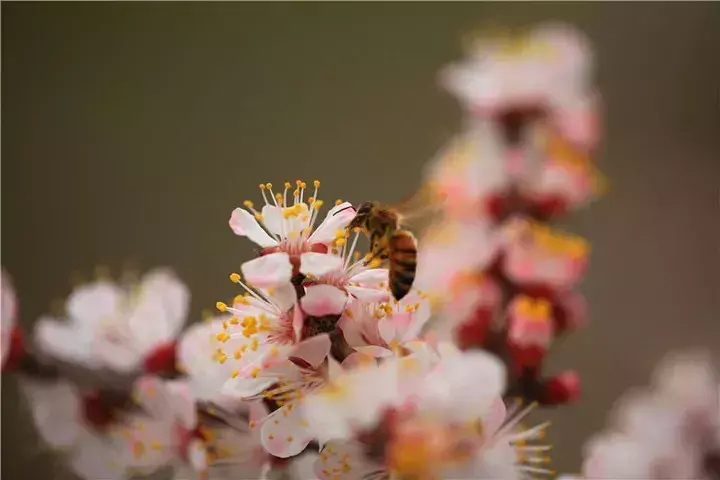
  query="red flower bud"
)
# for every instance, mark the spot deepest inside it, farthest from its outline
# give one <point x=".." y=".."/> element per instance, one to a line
<point x="162" y="360"/>
<point x="561" y="389"/>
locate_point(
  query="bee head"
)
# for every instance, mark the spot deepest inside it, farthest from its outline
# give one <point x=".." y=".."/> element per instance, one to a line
<point x="363" y="212"/>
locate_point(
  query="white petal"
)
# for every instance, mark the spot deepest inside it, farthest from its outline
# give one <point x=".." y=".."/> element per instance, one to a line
<point x="284" y="296"/>
<point x="319" y="264"/>
<point x="336" y="219"/>
<point x="371" y="278"/>
<point x="197" y="455"/>
<point x="182" y="403"/>
<point x="323" y="300"/>
<point x="173" y="293"/>
<point x="479" y="375"/>
<point x="273" y="220"/>
<point x="314" y="350"/>
<point x="120" y="357"/>
<point x="66" y="341"/>
<point x="387" y="329"/>
<point x="268" y="270"/>
<point x="153" y="395"/>
<point x="55" y="407"/>
<point x="246" y="387"/>
<point x="90" y="303"/>
<point x="374" y="351"/>
<point x="244" y="224"/>
<point x="151" y="324"/>
<point x="368" y="295"/>
<point x="289" y="436"/>
<point x="351" y="328"/>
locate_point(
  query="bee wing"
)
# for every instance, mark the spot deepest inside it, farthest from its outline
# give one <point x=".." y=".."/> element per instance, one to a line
<point x="420" y="206"/>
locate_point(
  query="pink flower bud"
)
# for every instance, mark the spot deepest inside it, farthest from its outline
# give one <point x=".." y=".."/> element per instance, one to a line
<point x="561" y="389"/>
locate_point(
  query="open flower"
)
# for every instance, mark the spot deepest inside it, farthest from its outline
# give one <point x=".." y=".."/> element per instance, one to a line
<point x="514" y="77"/>
<point x="337" y="277"/>
<point x="285" y="229"/>
<point x="380" y="330"/>
<point x="198" y="360"/>
<point x="232" y="450"/>
<point x="451" y="424"/>
<point x="285" y="431"/>
<point x="540" y="259"/>
<point x="265" y="327"/>
<point x="669" y="430"/>
<point x="110" y="326"/>
<point x="104" y="438"/>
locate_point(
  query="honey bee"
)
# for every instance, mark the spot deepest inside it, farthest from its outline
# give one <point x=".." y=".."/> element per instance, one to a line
<point x="389" y="240"/>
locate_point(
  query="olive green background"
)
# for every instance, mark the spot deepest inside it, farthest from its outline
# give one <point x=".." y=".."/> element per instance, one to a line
<point x="131" y="130"/>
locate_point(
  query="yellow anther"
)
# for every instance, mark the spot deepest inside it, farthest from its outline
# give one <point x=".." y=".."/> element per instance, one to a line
<point x="288" y="185"/>
<point x="234" y="321"/>
<point x="316" y="183"/>
<point x="298" y="183"/>
<point x="274" y="351"/>
<point x="225" y="325"/>
<point x="251" y="424"/>
<point x="262" y="186"/>
<point x="258" y="217"/>
<point x="268" y="186"/>
<point x="221" y="306"/>
<point x="289" y="438"/>
<point x="375" y="263"/>
<point x="340" y="242"/>
<point x="156" y="445"/>
<point x="296" y="193"/>
<point x="235" y="373"/>
<point x="223" y="337"/>
<point x="255" y="372"/>
<point x="409" y="308"/>
<point x="241" y="299"/>
<point x="237" y="355"/>
<point x="311" y="200"/>
<point x="138" y="449"/>
<point x="317" y="204"/>
<point x="248" y="204"/>
<point x="338" y="202"/>
<point x="271" y="436"/>
<point x="303" y="185"/>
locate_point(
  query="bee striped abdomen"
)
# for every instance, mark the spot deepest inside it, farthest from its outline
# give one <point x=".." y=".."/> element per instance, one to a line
<point x="403" y="262"/>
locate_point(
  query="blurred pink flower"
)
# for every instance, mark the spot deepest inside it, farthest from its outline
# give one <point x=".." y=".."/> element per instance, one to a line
<point x="110" y="326"/>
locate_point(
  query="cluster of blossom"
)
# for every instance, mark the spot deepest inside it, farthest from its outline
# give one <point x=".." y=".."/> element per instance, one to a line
<point x="315" y="371"/>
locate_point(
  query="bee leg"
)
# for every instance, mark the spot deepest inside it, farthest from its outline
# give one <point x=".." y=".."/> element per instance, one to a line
<point x="378" y="250"/>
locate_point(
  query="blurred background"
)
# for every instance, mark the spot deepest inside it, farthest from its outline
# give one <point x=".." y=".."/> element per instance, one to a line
<point x="131" y="130"/>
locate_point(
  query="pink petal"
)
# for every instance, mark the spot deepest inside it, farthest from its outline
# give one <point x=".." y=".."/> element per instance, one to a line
<point x="298" y="321"/>
<point x="319" y="264"/>
<point x="387" y="328"/>
<point x="351" y="330"/>
<point x="371" y="278"/>
<point x="268" y="270"/>
<point x="374" y="351"/>
<point x="313" y="350"/>
<point x="337" y="219"/>
<point x="243" y="223"/>
<point x="243" y="388"/>
<point x="289" y="436"/>
<point x="273" y="220"/>
<point x="323" y="300"/>
<point x="182" y="403"/>
<point x="369" y="295"/>
<point x="88" y="304"/>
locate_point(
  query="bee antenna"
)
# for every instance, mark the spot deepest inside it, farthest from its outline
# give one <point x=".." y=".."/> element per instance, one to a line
<point x="343" y="209"/>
